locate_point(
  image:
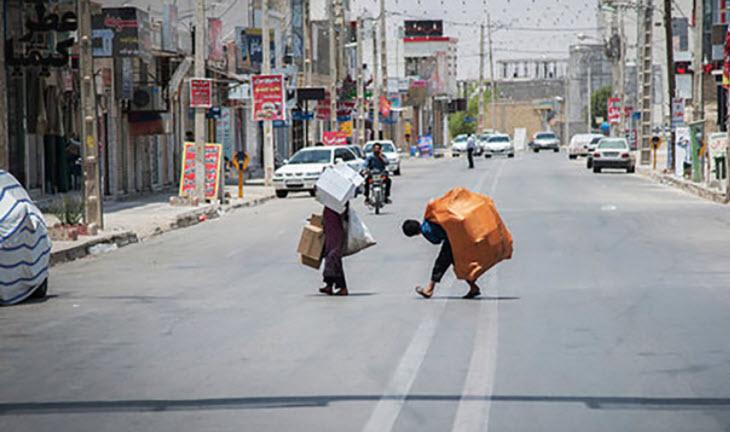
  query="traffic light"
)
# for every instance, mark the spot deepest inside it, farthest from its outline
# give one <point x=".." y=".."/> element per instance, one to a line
<point x="683" y="68"/>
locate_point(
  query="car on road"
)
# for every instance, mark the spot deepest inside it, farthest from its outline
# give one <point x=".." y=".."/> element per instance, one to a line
<point x="592" y="148"/>
<point x="389" y="151"/>
<point x="545" y="141"/>
<point x="499" y="144"/>
<point x="357" y="150"/>
<point x="458" y="144"/>
<point x="482" y="141"/>
<point x="26" y="245"/>
<point x="613" y="153"/>
<point x="579" y="145"/>
<point x="301" y="172"/>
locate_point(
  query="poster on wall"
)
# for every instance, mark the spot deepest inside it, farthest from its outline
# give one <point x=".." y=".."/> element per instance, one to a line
<point x="268" y="97"/>
<point x="212" y="170"/>
<point x="201" y="93"/>
<point x="334" y="138"/>
<point x="682" y="150"/>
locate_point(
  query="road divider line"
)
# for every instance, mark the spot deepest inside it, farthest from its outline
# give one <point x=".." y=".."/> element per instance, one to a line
<point x="391" y="403"/>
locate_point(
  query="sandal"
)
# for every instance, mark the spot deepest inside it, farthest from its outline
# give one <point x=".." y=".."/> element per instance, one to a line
<point x="420" y="291"/>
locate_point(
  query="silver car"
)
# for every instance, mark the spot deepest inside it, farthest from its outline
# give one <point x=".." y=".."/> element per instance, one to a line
<point x="499" y="144"/>
<point x="545" y="141"/>
<point x="613" y="153"/>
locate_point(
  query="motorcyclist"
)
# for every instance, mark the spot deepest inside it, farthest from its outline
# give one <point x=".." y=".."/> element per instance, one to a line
<point x="377" y="163"/>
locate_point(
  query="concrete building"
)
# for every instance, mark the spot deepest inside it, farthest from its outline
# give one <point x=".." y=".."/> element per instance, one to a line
<point x="588" y="67"/>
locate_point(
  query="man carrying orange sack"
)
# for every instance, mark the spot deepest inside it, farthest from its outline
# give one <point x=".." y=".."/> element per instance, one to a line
<point x="473" y="237"/>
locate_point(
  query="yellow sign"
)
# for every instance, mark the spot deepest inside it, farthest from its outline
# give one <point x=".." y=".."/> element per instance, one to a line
<point x="346" y="127"/>
<point x="408" y="129"/>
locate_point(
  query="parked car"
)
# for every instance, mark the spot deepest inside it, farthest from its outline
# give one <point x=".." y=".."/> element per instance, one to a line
<point x="389" y="151"/>
<point x="482" y="141"/>
<point x="613" y="153"/>
<point x="579" y="145"/>
<point x="301" y="172"/>
<point x="592" y="148"/>
<point x="458" y="144"/>
<point x="357" y="150"/>
<point x="26" y="246"/>
<point x="545" y="141"/>
<point x="499" y="144"/>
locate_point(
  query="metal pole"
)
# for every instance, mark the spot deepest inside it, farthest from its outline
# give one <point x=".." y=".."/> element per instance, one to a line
<point x="590" y="97"/>
<point x="480" y="122"/>
<point x="266" y="69"/>
<point x="4" y="148"/>
<point x="670" y="72"/>
<point x="200" y="112"/>
<point x="333" y="66"/>
<point x="360" y="85"/>
<point x="699" y="97"/>
<point x="622" y="73"/>
<point x="376" y="87"/>
<point x="308" y="66"/>
<point x="493" y="82"/>
<point x="384" y="57"/>
<point x="93" y="212"/>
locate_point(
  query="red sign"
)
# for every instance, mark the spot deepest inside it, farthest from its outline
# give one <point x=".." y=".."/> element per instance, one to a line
<point x="212" y="170"/>
<point x="201" y="93"/>
<point x="268" y="97"/>
<point x="385" y="106"/>
<point x="215" y="44"/>
<point x="334" y="138"/>
<point x="614" y="110"/>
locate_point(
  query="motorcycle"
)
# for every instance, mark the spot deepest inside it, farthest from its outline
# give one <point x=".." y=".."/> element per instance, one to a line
<point x="377" y="190"/>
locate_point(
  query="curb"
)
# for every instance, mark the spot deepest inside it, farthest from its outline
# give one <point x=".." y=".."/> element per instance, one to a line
<point x="687" y="186"/>
<point x="119" y="240"/>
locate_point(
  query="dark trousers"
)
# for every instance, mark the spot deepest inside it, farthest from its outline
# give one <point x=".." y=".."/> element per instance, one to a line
<point x="388" y="183"/>
<point x="443" y="262"/>
<point x="470" y="156"/>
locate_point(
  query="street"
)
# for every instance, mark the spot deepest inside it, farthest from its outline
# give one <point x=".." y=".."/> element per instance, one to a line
<point x="611" y="316"/>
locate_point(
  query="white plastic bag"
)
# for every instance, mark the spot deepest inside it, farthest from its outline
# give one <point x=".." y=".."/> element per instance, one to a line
<point x="359" y="237"/>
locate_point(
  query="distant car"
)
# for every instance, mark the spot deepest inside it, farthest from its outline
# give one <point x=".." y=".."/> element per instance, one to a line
<point x="579" y="145"/>
<point x="26" y="246"/>
<point x="499" y="144"/>
<point x="592" y="148"/>
<point x="482" y="141"/>
<point x="357" y="150"/>
<point x="301" y="172"/>
<point x="613" y="153"/>
<point x="458" y="144"/>
<point x="389" y="151"/>
<point x="545" y="141"/>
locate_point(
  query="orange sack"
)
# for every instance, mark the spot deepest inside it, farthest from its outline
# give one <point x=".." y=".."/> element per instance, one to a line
<point x="479" y="239"/>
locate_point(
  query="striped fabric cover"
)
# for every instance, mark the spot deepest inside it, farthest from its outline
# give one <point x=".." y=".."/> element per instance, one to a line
<point x="25" y="247"/>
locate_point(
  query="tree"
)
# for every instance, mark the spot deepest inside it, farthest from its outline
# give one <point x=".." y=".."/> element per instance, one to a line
<point x="458" y="123"/>
<point x="599" y="104"/>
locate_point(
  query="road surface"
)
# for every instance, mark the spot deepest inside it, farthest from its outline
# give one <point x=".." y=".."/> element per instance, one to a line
<point x="613" y="315"/>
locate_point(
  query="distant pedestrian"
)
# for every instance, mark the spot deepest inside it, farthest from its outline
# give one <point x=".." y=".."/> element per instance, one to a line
<point x="334" y="245"/>
<point x="435" y="234"/>
<point x="471" y="146"/>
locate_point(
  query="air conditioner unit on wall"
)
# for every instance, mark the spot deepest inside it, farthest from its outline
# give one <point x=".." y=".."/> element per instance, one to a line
<point x="149" y="98"/>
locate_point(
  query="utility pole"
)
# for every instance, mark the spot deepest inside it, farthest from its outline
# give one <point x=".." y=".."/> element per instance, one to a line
<point x="622" y="73"/>
<point x="93" y="200"/>
<point x="493" y="83"/>
<point x="360" y="84"/>
<point x="480" y="122"/>
<point x="333" y="65"/>
<point x="384" y="58"/>
<point x="670" y="72"/>
<point x="4" y="148"/>
<point x="646" y="94"/>
<point x="266" y="69"/>
<point x="699" y="96"/>
<point x="308" y="65"/>
<point x="200" y="112"/>
<point x="376" y="87"/>
<point x="590" y="96"/>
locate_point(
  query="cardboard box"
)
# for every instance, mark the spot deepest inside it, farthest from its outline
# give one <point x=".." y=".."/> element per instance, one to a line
<point x="311" y="244"/>
<point x="316" y="220"/>
<point x="336" y="186"/>
<point x="309" y="262"/>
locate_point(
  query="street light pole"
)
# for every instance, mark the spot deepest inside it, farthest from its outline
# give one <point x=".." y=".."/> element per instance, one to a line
<point x="493" y="83"/>
<point x="360" y="84"/>
<point x="590" y="97"/>
<point x="480" y="122"/>
<point x="266" y="69"/>
<point x="200" y="112"/>
<point x="376" y="87"/>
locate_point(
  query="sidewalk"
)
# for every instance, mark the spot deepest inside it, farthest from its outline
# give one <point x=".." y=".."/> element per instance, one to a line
<point x="700" y="189"/>
<point x="128" y="222"/>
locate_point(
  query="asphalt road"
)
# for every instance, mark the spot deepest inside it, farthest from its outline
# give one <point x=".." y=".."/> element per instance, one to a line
<point x="613" y="315"/>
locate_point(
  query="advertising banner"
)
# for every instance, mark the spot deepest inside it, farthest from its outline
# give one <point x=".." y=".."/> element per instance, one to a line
<point x="268" y="97"/>
<point x="614" y="110"/>
<point x="131" y="32"/>
<point x="334" y="138"/>
<point x="718" y="144"/>
<point x="346" y="128"/>
<point x="250" y="48"/>
<point x="215" y="43"/>
<point x="224" y="131"/>
<point x="677" y="112"/>
<point x="201" y="93"/>
<point x="385" y="106"/>
<point x="169" y="28"/>
<point x="212" y="170"/>
<point x="682" y="150"/>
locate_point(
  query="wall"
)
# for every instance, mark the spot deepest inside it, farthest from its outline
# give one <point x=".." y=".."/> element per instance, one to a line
<point x="513" y="115"/>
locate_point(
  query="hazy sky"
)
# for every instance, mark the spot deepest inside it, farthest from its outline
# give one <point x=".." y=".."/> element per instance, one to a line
<point x="521" y="25"/>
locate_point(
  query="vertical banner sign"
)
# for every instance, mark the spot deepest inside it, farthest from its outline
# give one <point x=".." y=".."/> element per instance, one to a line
<point x="215" y="43"/>
<point x="682" y="149"/>
<point x="224" y="131"/>
<point x="614" y="110"/>
<point x="385" y="106"/>
<point x="677" y="112"/>
<point x="268" y="97"/>
<point x="726" y="60"/>
<point x="334" y="138"/>
<point x="201" y="93"/>
<point x="170" y="39"/>
<point x="212" y="170"/>
<point x="297" y="32"/>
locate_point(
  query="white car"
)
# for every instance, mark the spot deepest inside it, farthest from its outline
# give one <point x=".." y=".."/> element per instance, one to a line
<point x="613" y="153"/>
<point x="301" y="172"/>
<point x="458" y="144"/>
<point x="499" y="144"/>
<point x="579" y="144"/>
<point x="545" y="141"/>
<point x="26" y="246"/>
<point x="389" y="151"/>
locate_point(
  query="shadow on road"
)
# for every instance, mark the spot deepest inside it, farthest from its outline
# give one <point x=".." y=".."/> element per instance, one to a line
<point x="483" y="298"/>
<point x="277" y="402"/>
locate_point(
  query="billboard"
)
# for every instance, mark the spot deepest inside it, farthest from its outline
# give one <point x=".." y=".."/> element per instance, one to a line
<point x="421" y="28"/>
<point x="249" y="42"/>
<point x="268" y="97"/>
<point x="128" y="31"/>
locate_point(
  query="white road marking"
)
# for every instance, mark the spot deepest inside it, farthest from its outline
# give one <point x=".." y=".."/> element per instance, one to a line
<point x="475" y="403"/>
<point x="390" y="404"/>
<point x="608" y="208"/>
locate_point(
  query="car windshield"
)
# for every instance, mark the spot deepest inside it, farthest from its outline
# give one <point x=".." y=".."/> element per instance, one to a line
<point x="613" y="144"/>
<point x="312" y="157"/>
<point x="460" y="138"/>
<point x="498" y="139"/>
<point x="545" y="136"/>
<point x="387" y="147"/>
<point x="596" y="140"/>
<point x="485" y="136"/>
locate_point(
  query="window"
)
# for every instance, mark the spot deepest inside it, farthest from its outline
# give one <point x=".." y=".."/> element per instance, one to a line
<point x="344" y="154"/>
<point x="311" y="156"/>
<point x="613" y="144"/>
